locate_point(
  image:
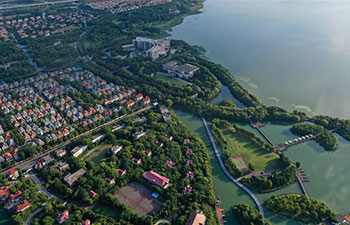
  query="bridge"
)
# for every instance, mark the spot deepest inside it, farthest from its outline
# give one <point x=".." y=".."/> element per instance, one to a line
<point x="223" y="167"/>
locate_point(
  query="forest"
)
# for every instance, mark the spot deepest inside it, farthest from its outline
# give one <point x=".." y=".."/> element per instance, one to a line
<point x="300" y="207"/>
<point x="325" y="138"/>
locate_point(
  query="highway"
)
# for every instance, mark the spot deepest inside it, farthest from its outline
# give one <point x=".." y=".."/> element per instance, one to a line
<point x="221" y="162"/>
<point x="28" y="163"/>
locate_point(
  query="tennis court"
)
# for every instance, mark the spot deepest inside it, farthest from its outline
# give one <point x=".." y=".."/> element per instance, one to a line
<point x="240" y="164"/>
<point x="139" y="198"/>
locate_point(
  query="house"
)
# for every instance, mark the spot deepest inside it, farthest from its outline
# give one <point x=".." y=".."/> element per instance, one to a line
<point x="160" y="144"/>
<point x="130" y="103"/>
<point x="63" y="217"/>
<point x="169" y="137"/>
<point x="13" y="174"/>
<point x="47" y="160"/>
<point x="115" y="128"/>
<point x="4" y="192"/>
<point x="87" y="222"/>
<point x="97" y="137"/>
<point x="78" y="150"/>
<point x="60" y="153"/>
<point x="25" y="205"/>
<point x="110" y="181"/>
<point x="116" y="148"/>
<point x="121" y="172"/>
<point x="92" y="194"/>
<point x="62" y="166"/>
<point x="156" y="179"/>
<point x="139" y="97"/>
<point x="70" y="179"/>
<point x="196" y="218"/>
<point x="16" y="197"/>
<point x="139" y="134"/>
<point x="148" y="153"/>
<point x="137" y="161"/>
<point x="146" y="100"/>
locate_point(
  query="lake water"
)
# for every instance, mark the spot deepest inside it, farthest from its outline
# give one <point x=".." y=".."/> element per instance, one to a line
<point x="292" y="53"/>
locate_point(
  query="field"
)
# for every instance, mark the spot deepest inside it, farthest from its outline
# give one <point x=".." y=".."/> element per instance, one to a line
<point x="106" y="210"/>
<point x="250" y="152"/>
<point x="240" y="164"/>
<point x="164" y="77"/>
<point x="139" y="198"/>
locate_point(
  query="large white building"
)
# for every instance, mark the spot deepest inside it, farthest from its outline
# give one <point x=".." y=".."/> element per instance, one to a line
<point x="182" y="71"/>
<point x="151" y="48"/>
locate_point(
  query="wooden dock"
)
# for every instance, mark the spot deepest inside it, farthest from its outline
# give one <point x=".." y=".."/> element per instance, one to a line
<point x="257" y="126"/>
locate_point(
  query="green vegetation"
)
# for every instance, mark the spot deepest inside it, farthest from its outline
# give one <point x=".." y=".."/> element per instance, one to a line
<point x="164" y="77"/>
<point x="277" y="180"/>
<point x="13" y="62"/>
<point x="300" y="207"/>
<point x="247" y="215"/>
<point x="342" y="126"/>
<point x="202" y="195"/>
<point x="325" y="138"/>
<point x="77" y="215"/>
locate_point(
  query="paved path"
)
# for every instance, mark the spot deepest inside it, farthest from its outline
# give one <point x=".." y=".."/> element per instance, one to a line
<point x="28" y="163"/>
<point x="162" y="221"/>
<point x="221" y="162"/>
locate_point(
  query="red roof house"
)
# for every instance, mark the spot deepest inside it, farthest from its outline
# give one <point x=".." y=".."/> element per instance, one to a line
<point x="63" y="217"/>
<point x="156" y="179"/>
<point x="25" y="205"/>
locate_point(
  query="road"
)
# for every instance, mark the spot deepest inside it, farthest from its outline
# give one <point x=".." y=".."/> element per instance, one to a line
<point x="43" y="189"/>
<point x="28" y="163"/>
<point x="31" y="216"/>
<point x="35" y="4"/>
<point x="221" y="162"/>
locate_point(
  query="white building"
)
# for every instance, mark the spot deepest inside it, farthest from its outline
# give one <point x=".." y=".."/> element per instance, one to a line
<point x="78" y="150"/>
<point x="151" y="48"/>
<point x="185" y="71"/>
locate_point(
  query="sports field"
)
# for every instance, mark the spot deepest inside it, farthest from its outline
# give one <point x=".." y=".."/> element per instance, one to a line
<point x="240" y="164"/>
<point x="139" y="198"/>
<point x="164" y="77"/>
<point x="261" y="159"/>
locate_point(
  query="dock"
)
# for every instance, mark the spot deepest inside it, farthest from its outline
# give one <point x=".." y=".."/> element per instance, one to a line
<point x="220" y="215"/>
<point x="301" y="183"/>
<point x="257" y="126"/>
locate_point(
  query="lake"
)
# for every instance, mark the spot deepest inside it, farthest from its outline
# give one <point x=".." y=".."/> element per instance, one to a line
<point x="294" y="54"/>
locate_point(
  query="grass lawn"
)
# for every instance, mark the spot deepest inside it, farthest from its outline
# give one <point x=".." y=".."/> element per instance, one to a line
<point x="241" y="146"/>
<point x="99" y="153"/>
<point x="162" y="76"/>
<point x="5" y="216"/>
<point x="106" y="210"/>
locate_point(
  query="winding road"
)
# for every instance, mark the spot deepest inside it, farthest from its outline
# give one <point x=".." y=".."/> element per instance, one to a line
<point x="221" y="162"/>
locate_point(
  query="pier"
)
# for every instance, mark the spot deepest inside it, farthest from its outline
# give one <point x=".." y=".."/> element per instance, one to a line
<point x="257" y="126"/>
<point x="223" y="167"/>
<point x="301" y="183"/>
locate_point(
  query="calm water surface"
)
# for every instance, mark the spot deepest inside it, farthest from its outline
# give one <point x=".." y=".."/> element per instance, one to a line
<point x="292" y="53"/>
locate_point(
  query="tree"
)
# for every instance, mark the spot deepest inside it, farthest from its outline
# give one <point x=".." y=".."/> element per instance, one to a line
<point x="298" y="164"/>
<point x="168" y="103"/>
<point x="48" y="220"/>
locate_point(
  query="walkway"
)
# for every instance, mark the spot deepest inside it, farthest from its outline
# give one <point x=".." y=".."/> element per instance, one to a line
<point x="263" y="134"/>
<point x="218" y="155"/>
